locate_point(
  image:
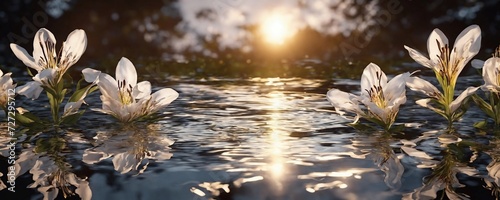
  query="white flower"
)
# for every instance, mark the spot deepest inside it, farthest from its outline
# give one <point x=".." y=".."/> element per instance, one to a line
<point x="381" y="98"/>
<point x="448" y="65"/>
<point x="491" y="75"/>
<point x="49" y="65"/>
<point x="124" y="98"/>
<point x="6" y="84"/>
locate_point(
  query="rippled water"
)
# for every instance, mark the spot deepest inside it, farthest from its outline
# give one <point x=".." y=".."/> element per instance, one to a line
<point x="260" y="138"/>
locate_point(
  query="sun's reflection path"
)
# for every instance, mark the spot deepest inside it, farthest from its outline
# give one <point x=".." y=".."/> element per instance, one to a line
<point x="276" y="167"/>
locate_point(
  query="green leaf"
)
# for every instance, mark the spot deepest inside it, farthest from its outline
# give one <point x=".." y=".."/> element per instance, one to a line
<point x="481" y="124"/>
<point x="77" y="95"/>
<point x="72" y="119"/>
<point x="485" y="107"/>
<point x="29" y="71"/>
<point x="397" y="128"/>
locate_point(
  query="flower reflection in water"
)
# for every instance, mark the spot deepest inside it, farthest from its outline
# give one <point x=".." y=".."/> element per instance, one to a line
<point x="130" y="147"/>
<point x="378" y="147"/>
<point x="493" y="179"/>
<point x="47" y="161"/>
<point x="444" y="172"/>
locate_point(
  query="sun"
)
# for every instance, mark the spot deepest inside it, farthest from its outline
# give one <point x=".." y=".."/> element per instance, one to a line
<point x="275" y="29"/>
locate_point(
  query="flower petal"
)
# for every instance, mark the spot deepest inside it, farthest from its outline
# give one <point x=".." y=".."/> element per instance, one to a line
<point x="45" y="76"/>
<point x="72" y="108"/>
<point x="467" y="44"/>
<point x="73" y="48"/>
<point x="107" y="85"/>
<point x="437" y="36"/>
<point x="490" y="72"/>
<point x="396" y="88"/>
<point x="31" y="90"/>
<point x="343" y="101"/>
<point x="142" y="90"/>
<point x="419" y="58"/>
<point x="125" y="71"/>
<point x="421" y="85"/>
<point x="44" y="46"/>
<point x="163" y="97"/>
<point x="458" y="101"/>
<point x="23" y="55"/>
<point x="478" y="64"/>
<point x="91" y="75"/>
<point x="372" y="76"/>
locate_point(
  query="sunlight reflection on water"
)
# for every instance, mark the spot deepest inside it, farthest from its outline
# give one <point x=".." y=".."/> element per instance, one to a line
<point x="265" y="138"/>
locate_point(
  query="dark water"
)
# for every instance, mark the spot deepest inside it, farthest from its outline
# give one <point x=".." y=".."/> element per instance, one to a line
<point x="259" y="138"/>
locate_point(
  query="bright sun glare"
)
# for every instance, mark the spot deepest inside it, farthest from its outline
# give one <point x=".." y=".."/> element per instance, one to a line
<point x="275" y="30"/>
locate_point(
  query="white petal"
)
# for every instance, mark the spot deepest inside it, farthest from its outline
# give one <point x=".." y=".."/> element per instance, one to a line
<point x="44" y="46"/>
<point x="6" y="80"/>
<point x="126" y="71"/>
<point x="1" y="72"/>
<point x="91" y="75"/>
<point x="421" y="85"/>
<point x="425" y="103"/>
<point x="72" y="107"/>
<point x="73" y="47"/>
<point x="478" y="64"/>
<point x="142" y="90"/>
<point x="23" y="55"/>
<point x="468" y="42"/>
<point x="466" y="46"/>
<point x="437" y="36"/>
<point x="382" y="113"/>
<point x="45" y="75"/>
<point x="343" y="101"/>
<point x="490" y="68"/>
<point x="372" y="76"/>
<point x="108" y="86"/>
<point x="419" y="58"/>
<point x="31" y="90"/>
<point x="164" y="97"/>
<point x="396" y="88"/>
<point x="458" y="101"/>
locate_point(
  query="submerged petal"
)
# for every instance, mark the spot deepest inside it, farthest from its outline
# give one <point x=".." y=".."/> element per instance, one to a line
<point x="436" y="39"/>
<point x="23" y="55"/>
<point x="419" y="58"/>
<point x="125" y="71"/>
<point x="73" y="47"/>
<point x="421" y="85"/>
<point x="372" y="76"/>
<point x="458" y="101"/>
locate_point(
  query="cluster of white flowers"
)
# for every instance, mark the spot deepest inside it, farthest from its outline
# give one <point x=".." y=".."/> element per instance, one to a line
<point x="124" y="98"/>
<point x="381" y="100"/>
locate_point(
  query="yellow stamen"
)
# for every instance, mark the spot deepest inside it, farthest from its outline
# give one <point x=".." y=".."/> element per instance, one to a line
<point x="125" y="92"/>
<point x="377" y="93"/>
